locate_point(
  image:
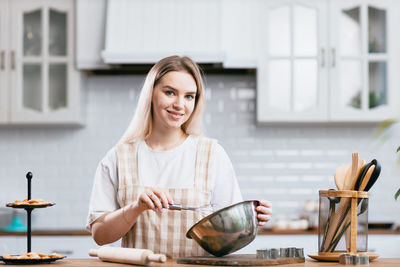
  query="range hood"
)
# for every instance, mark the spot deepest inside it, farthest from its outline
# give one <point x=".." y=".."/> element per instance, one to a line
<point x="143" y="31"/>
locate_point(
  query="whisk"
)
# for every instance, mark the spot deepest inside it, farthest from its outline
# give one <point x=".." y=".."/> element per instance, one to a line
<point x="203" y="210"/>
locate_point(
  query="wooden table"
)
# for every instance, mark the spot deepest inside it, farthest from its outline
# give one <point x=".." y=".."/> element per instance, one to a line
<point x="393" y="262"/>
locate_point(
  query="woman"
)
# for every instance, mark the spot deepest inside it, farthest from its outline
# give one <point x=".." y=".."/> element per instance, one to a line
<point x="163" y="159"/>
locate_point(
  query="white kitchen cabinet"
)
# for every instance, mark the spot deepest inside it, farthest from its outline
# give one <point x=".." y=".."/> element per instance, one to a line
<point x="90" y="25"/>
<point x="328" y="61"/>
<point x="3" y="61"/>
<point x="40" y="83"/>
<point x="141" y="31"/>
<point x="11" y="245"/>
<point x="70" y="246"/>
<point x="387" y="246"/>
<point x="291" y="74"/>
<point x="216" y="31"/>
<point x="364" y="77"/>
<point x="240" y="27"/>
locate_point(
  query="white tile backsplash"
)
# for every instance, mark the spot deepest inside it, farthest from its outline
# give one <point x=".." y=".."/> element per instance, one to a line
<point x="284" y="164"/>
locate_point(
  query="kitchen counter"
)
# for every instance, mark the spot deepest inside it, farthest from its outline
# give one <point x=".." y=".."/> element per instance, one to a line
<point x="80" y="232"/>
<point x="395" y="262"/>
<point x="315" y="232"/>
<point x="44" y="232"/>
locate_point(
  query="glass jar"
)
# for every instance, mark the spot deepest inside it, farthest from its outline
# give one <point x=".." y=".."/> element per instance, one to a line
<point x="342" y="222"/>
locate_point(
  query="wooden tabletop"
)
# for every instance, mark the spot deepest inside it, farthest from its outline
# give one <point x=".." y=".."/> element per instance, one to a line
<point x="82" y="232"/>
<point x="394" y="262"/>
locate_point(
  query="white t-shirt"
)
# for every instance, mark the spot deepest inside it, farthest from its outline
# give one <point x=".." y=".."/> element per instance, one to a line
<point x="173" y="168"/>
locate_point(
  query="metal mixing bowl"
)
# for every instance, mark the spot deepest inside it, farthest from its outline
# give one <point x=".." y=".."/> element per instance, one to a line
<point x="226" y="230"/>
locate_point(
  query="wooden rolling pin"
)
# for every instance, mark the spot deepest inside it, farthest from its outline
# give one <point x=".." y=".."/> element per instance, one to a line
<point x="127" y="255"/>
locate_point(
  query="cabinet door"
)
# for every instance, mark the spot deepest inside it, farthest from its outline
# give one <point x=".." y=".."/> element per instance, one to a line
<point x="70" y="246"/>
<point x="3" y="62"/>
<point x="363" y="60"/>
<point x="240" y="28"/>
<point x="90" y="34"/>
<point x="12" y="245"/>
<point x="291" y="77"/>
<point x="43" y="81"/>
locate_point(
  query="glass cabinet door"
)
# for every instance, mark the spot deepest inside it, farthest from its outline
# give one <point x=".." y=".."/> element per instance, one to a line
<point x="293" y="63"/>
<point x="32" y="70"/>
<point x="32" y="87"/>
<point x="350" y="57"/>
<point x="57" y="49"/>
<point x="377" y="58"/>
<point x="360" y="75"/>
<point x="38" y="94"/>
<point x="44" y="74"/>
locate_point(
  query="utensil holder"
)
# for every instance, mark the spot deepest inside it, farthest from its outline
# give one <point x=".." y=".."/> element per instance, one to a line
<point x="341" y="212"/>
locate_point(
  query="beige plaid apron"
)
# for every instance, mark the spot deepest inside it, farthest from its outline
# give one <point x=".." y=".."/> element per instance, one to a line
<point x="165" y="232"/>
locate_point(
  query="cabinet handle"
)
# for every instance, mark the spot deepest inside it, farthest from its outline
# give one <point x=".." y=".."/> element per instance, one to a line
<point x="2" y="60"/>
<point x="322" y="57"/>
<point x="12" y="60"/>
<point x="333" y="50"/>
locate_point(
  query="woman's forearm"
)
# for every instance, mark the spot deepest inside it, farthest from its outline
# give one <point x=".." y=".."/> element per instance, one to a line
<point x="113" y="225"/>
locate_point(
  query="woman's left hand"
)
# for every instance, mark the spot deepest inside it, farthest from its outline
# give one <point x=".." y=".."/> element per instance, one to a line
<point x="264" y="212"/>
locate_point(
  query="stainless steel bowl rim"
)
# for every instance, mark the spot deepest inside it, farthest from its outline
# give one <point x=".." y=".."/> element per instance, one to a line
<point x="215" y="212"/>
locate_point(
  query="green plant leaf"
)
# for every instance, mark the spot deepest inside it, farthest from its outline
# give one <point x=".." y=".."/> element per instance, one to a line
<point x="397" y="194"/>
<point x="398" y="149"/>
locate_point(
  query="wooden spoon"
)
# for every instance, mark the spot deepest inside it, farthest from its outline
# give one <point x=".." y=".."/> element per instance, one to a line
<point x="367" y="178"/>
<point x="354" y="172"/>
<point x="340" y="175"/>
<point x="374" y="175"/>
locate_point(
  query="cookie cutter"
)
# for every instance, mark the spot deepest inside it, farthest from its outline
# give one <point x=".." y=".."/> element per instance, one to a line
<point x="354" y="259"/>
<point x="274" y="253"/>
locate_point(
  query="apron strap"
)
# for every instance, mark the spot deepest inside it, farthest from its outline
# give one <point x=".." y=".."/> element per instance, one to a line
<point x="127" y="172"/>
<point x="202" y="180"/>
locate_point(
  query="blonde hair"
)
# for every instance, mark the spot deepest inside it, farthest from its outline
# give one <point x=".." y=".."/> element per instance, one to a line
<point x="140" y="127"/>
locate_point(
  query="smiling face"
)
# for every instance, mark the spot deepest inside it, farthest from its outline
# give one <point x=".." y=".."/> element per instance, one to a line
<point x="173" y="100"/>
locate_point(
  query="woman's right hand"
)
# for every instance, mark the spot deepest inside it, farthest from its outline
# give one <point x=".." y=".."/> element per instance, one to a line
<point x="154" y="198"/>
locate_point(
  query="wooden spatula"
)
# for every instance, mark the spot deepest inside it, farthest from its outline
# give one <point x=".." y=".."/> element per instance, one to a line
<point x="340" y="176"/>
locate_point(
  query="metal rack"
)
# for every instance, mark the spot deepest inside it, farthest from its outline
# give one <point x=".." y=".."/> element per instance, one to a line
<point x="29" y="209"/>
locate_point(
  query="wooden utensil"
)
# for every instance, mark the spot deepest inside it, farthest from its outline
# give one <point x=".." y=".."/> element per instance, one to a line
<point x="346" y="216"/>
<point x="367" y="178"/>
<point x="346" y="229"/>
<point x="362" y="175"/>
<point x="340" y="175"/>
<point x="365" y="181"/>
<point x="332" y="204"/>
<point x="349" y="183"/>
<point x="127" y="255"/>
<point x="374" y="176"/>
<point x="359" y="164"/>
<point x="343" y="173"/>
